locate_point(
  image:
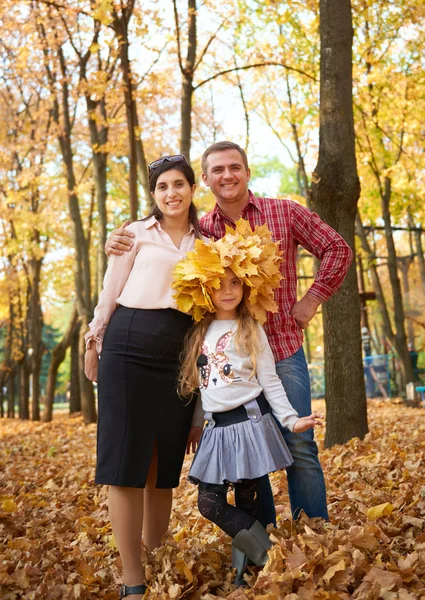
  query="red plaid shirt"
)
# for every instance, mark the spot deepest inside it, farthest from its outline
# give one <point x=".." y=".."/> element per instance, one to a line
<point x="293" y="225"/>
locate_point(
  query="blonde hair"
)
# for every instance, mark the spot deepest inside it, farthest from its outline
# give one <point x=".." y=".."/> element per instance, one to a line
<point x="246" y="339"/>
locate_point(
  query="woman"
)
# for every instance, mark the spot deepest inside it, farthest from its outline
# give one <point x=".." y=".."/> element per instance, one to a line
<point x="144" y="425"/>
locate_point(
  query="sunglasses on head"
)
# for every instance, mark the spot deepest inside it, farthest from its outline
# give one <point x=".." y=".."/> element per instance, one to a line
<point x="174" y="158"/>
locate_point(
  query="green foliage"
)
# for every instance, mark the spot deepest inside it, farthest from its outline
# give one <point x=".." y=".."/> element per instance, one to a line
<point x="262" y="171"/>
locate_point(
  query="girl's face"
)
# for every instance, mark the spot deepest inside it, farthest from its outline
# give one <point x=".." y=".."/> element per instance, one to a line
<point x="227" y="299"/>
<point x="173" y="194"/>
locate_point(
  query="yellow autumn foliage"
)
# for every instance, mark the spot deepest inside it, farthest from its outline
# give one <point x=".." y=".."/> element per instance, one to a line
<point x="252" y="255"/>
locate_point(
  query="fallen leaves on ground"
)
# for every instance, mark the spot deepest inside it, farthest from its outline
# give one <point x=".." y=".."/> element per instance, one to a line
<point x="56" y="542"/>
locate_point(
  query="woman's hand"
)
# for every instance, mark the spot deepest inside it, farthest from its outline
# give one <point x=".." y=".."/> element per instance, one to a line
<point x="193" y="439"/>
<point x="119" y="240"/>
<point x="305" y="423"/>
<point x="91" y="363"/>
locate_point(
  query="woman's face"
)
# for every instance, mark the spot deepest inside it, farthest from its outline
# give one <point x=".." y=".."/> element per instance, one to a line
<point x="173" y="194"/>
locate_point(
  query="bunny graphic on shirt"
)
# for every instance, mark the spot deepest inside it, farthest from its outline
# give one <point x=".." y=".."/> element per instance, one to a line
<point x="215" y="368"/>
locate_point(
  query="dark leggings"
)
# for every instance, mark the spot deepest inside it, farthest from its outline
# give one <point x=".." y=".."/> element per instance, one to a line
<point x="213" y="505"/>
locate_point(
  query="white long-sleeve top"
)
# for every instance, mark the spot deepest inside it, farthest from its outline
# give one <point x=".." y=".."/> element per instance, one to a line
<point x="225" y="374"/>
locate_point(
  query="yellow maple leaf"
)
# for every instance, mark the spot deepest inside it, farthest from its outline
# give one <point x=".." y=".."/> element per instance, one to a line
<point x="184" y="302"/>
<point x="381" y="510"/>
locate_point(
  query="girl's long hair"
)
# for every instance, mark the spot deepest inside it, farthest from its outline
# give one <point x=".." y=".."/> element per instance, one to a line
<point x="246" y="339"/>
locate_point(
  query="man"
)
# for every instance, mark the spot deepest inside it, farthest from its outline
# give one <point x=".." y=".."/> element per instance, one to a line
<point x="225" y="170"/>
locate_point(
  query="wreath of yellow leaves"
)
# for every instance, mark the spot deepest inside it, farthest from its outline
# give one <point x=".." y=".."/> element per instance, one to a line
<point x="251" y="255"/>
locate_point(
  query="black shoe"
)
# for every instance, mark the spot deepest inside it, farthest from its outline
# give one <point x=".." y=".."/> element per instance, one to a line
<point x="239" y="562"/>
<point x="126" y="590"/>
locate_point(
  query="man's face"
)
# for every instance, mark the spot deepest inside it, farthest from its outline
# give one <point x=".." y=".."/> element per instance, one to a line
<point x="227" y="177"/>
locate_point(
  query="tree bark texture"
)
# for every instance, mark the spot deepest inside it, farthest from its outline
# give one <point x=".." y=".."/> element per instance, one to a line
<point x="99" y="139"/>
<point x="188" y="71"/>
<point x="35" y="331"/>
<point x="11" y="394"/>
<point x="9" y="365"/>
<point x="24" y="389"/>
<point x="335" y="194"/>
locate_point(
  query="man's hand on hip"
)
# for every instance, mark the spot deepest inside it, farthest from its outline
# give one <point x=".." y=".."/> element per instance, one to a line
<point x="119" y="240"/>
<point x="305" y="309"/>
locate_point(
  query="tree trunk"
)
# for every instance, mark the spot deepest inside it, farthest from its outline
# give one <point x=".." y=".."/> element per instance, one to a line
<point x="376" y="282"/>
<point x="186" y="116"/>
<point x="404" y="265"/>
<point x="9" y="366"/>
<point x="142" y="164"/>
<point x="417" y="242"/>
<point x="120" y="27"/>
<point x="35" y="331"/>
<point x="24" y="390"/>
<point x="2" y="380"/>
<point x="188" y="71"/>
<point x="399" y="316"/>
<point x="420" y="255"/>
<point x="88" y="404"/>
<point x="99" y="139"/>
<point x="58" y="355"/>
<point x="11" y="394"/>
<point x="335" y="194"/>
<point x="82" y="261"/>
<point x="75" y="393"/>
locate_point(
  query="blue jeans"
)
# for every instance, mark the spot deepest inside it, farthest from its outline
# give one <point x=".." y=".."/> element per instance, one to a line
<point x="306" y="483"/>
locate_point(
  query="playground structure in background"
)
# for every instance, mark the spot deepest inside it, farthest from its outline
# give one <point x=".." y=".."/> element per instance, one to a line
<point x="381" y="373"/>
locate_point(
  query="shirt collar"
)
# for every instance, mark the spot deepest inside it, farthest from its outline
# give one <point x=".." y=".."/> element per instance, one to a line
<point x="252" y="200"/>
<point x="154" y="221"/>
<point x="150" y="222"/>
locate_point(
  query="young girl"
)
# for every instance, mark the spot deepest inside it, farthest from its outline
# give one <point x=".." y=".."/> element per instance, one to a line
<point x="227" y="286"/>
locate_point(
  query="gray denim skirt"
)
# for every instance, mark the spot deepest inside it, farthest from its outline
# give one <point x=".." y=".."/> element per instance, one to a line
<point x="243" y="443"/>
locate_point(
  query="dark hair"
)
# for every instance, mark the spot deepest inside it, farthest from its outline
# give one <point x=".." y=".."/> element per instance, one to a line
<point x="220" y="147"/>
<point x="189" y="175"/>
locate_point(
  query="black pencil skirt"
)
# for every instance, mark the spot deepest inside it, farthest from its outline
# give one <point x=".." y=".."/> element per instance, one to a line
<point x="137" y="398"/>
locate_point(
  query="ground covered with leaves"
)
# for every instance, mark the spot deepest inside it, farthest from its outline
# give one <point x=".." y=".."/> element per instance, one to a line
<point x="56" y="542"/>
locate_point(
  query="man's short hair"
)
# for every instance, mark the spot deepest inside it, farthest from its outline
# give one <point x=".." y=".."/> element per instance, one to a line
<point x="219" y="147"/>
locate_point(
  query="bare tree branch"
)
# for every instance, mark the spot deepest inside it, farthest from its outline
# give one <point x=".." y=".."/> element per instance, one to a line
<point x="176" y="20"/>
<point x="254" y="66"/>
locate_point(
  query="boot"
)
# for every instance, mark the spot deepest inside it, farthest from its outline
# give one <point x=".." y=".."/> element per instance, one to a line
<point x="239" y="560"/>
<point x="254" y="542"/>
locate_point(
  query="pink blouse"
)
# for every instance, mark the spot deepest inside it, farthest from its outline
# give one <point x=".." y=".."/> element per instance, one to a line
<point x="140" y="278"/>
